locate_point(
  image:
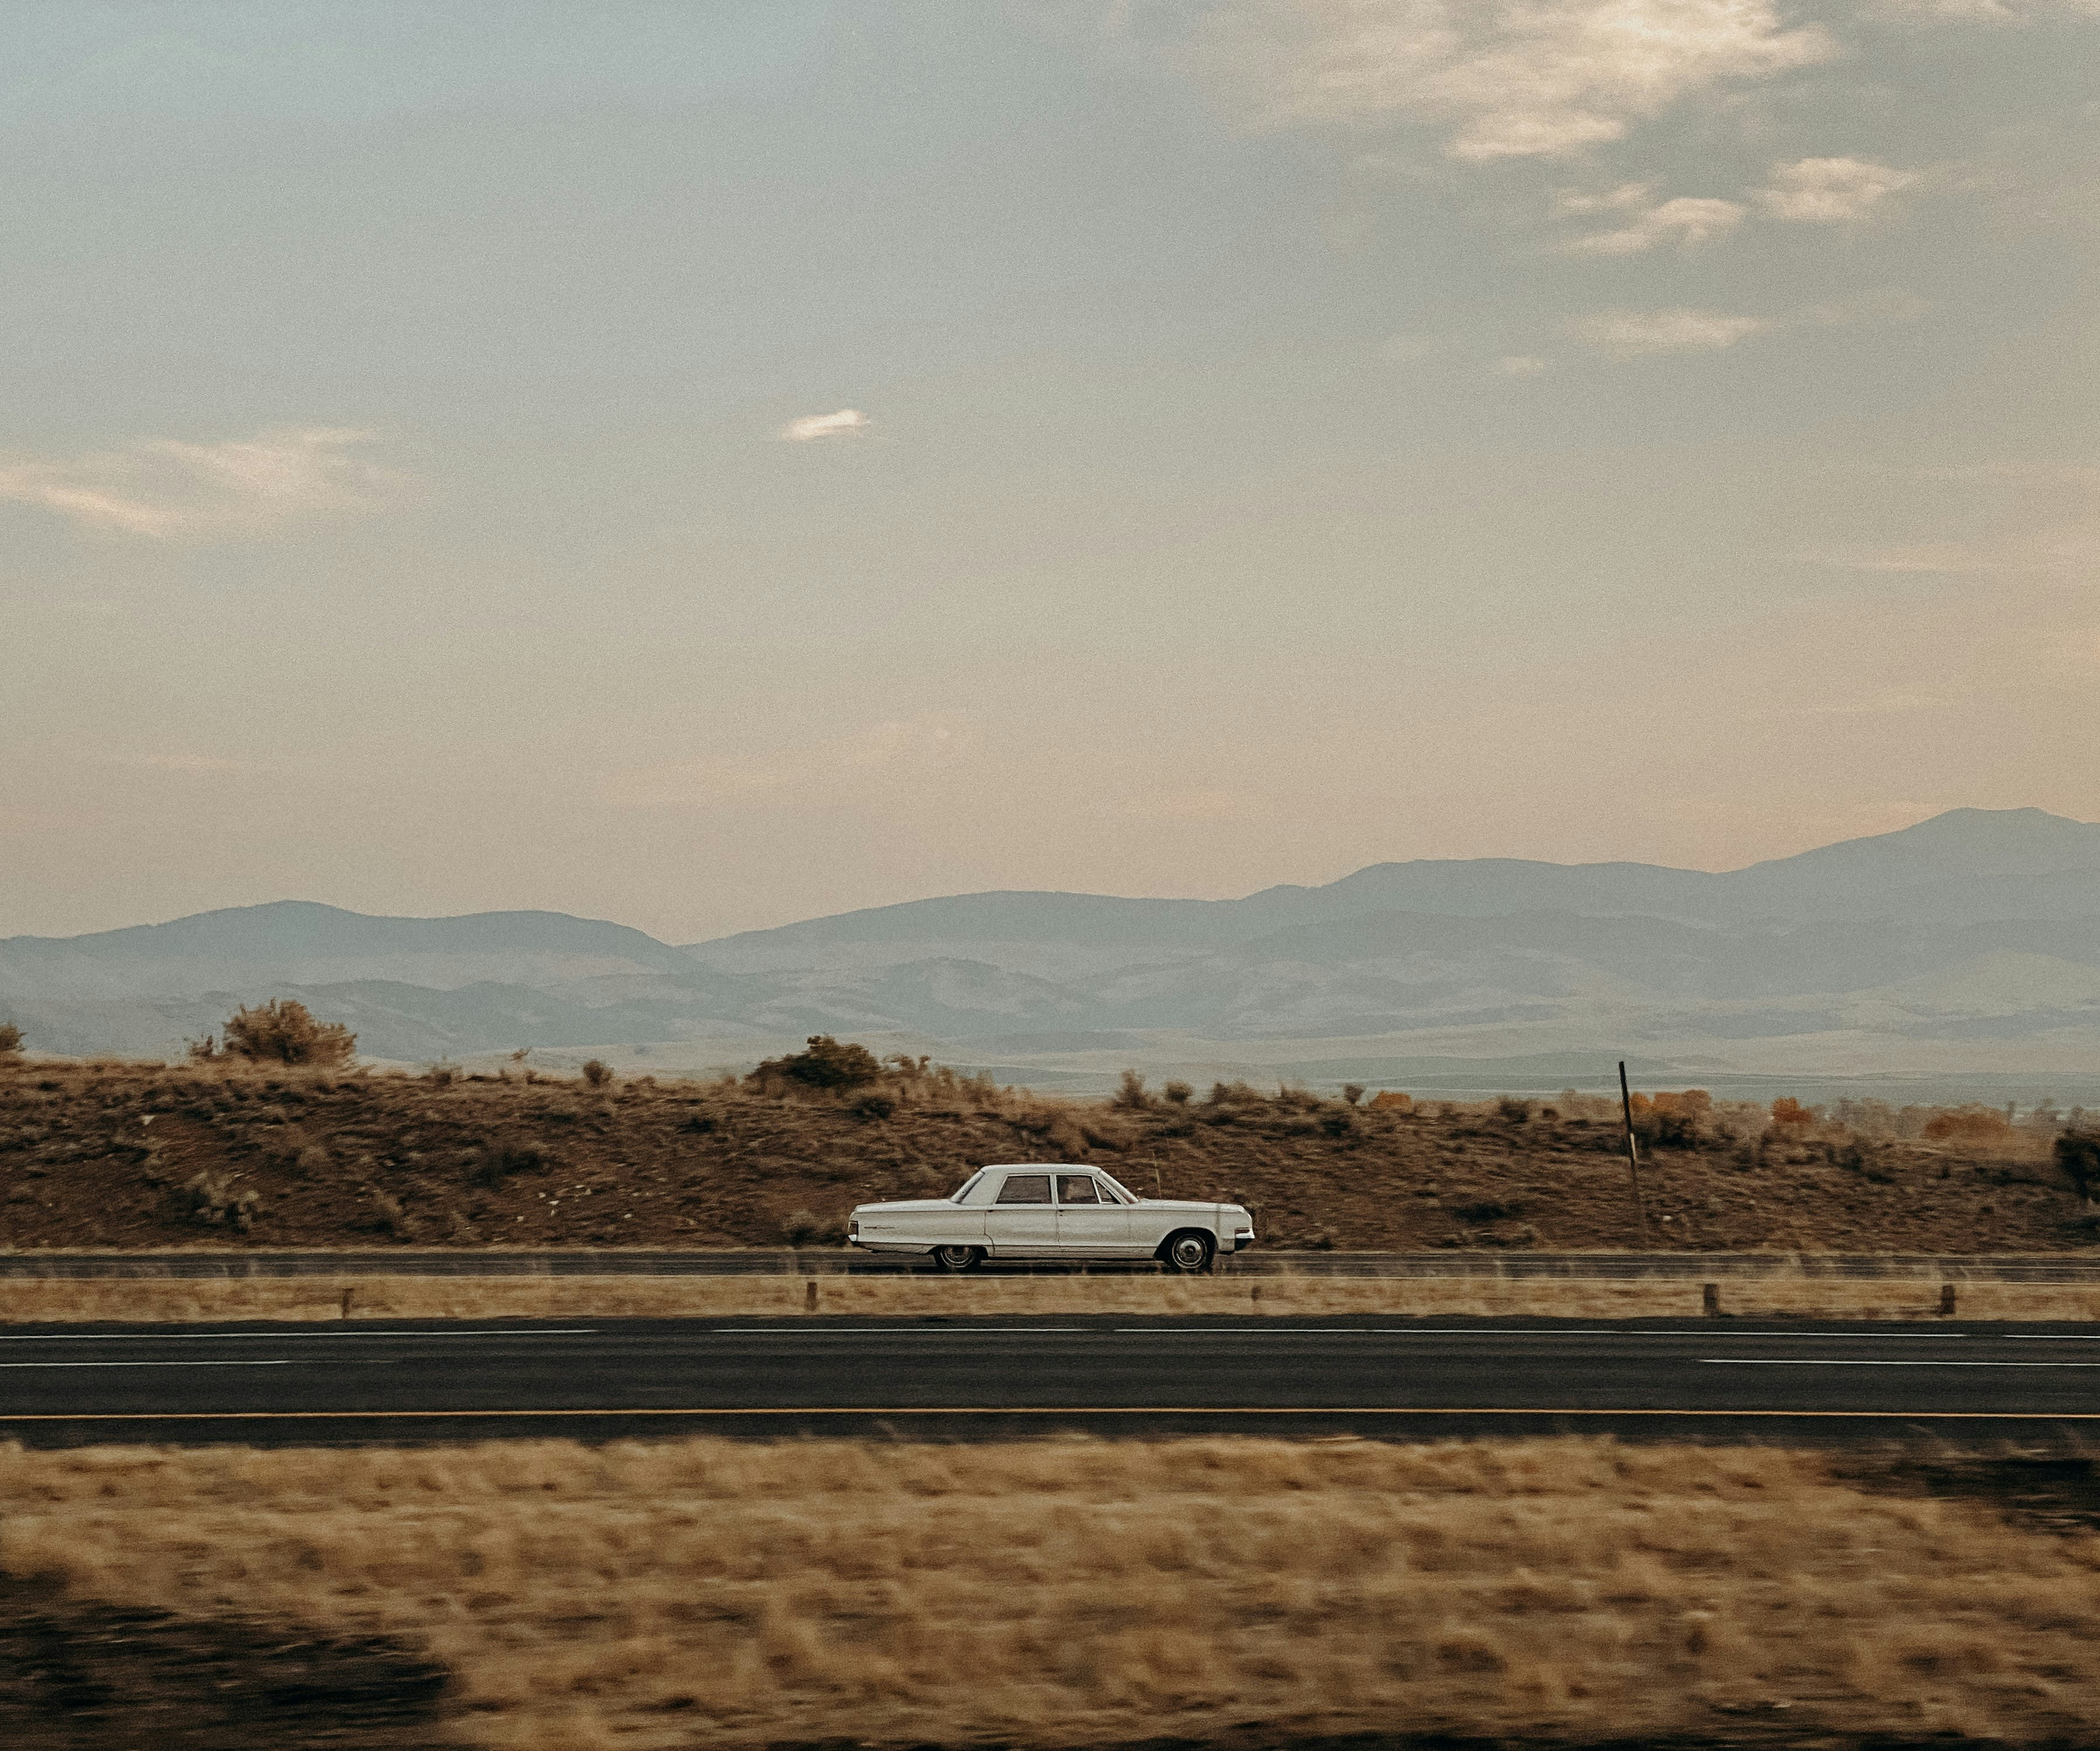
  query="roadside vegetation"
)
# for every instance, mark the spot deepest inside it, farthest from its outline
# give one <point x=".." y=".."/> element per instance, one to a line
<point x="1914" y="1294"/>
<point x="242" y="1148"/>
<point x="1072" y="1592"/>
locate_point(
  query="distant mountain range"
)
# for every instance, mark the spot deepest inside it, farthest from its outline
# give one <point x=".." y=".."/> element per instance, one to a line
<point x="1969" y="943"/>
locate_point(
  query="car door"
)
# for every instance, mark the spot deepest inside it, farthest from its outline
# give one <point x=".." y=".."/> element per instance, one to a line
<point x="1092" y="1223"/>
<point x="1022" y="1220"/>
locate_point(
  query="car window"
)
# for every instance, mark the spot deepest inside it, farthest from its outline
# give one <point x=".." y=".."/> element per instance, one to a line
<point x="1078" y="1189"/>
<point x="966" y="1187"/>
<point x="1024" y="1189"/>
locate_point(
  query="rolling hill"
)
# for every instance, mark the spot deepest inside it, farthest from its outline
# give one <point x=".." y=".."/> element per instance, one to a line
<point x="1969" y="944"/>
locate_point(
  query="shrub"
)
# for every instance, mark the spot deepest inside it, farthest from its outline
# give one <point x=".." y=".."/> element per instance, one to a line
<point x="524" y="1156"/>
<point x="282" y="1031"/>
<point x="801" y="1229"/>
<point x="1130" y="1095"/>
<point x="2078" y="1155"/>
<point x="1352" y="1092"/>
<point x="1340" y="1122"/>
<point x="873" y="1104"/>
<point x="1391" y="1101"/>
<point x="1969" y="1124"/>
<point x="1786" y="1110"/>
<point x="1177" y="1092"/>
<point x="826" y="1064"/>
<point x="214" y="1199"/>
<point x="1516" y="1110"/>
<point x="10" y="1039"/>
<point x="596" y="1073"/>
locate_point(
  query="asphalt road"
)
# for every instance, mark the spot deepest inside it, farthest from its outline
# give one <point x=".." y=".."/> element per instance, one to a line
<point x="605" y="1378"/>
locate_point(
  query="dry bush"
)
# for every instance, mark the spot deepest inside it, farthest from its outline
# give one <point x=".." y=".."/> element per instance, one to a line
<point x="1130" y="1095"/>
<point x="825" y="1064"/>
<point x="1072" y="1592"/>
<point x="10" y="1040"/>
<point x="597" y="1074"/>
<point x="282" y="1031"/>
<point x="1969" y="1124"/>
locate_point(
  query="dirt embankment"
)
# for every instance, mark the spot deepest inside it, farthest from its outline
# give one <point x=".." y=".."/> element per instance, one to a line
<point x="108" y="1156"/>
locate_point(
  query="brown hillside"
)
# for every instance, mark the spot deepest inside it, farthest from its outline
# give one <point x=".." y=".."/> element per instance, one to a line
<point x="143" y="1157"/>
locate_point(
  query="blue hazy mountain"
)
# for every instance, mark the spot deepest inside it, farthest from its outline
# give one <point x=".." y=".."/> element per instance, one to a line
<point x="1975" y="932"/>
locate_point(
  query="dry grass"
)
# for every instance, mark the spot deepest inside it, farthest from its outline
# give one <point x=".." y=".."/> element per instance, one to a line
<point x="1072" y="1593"/>
<point x="36" y="1299"/>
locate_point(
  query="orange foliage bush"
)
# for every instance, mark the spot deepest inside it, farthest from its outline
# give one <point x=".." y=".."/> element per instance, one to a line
<point x="1393" y="1100"/>
<point x="1967" y="1124"/>
<point x="1786" y="1110"/>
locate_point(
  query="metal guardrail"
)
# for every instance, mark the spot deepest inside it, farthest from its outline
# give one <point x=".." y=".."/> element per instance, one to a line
<point x="2070" y="1267"/>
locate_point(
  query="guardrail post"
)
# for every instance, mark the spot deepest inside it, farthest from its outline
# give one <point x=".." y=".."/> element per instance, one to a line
<point x="1947" y="1301"/>
<point x="1709" y="1299"/>
<point x="809" y="1296"/>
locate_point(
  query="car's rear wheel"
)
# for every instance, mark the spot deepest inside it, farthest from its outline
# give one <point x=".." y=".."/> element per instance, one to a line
<point x="958" y="1259"/>
<point x="1189" y="1252"/>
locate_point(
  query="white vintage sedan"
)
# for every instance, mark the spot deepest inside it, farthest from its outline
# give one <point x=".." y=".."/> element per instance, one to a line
<point x="1051" y="1209"/>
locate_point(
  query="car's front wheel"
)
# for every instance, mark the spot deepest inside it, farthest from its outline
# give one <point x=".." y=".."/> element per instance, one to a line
<point x="958" y="1258"/>
<point x="1189" y="1252"/>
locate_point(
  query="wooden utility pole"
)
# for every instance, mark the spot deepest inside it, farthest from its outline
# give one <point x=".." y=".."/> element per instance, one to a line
<point x="1633" y="1150"/>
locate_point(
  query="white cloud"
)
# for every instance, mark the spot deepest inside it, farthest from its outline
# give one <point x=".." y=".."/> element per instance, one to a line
<point x="1496" y="79"/>
<point x="848" y="422"/>
<point x="827" y="772"/>
<point x="1645" y="222"/>
<point x="1628" y="333"/>
<point x="1830" y="191"/>
<point x="171" y="489"/>
<point x="1987" y="11"/>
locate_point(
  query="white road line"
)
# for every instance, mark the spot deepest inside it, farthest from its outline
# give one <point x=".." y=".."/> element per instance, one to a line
<point x="888" y="1331"/>
<point x="274" y="1363"/>
<point x="1861" y="1361"/>
<point x="1510" y="1331"/>
<point x="271" y="1337"/>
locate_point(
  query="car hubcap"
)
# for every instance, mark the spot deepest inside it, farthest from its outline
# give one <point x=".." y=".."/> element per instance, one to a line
<point x="954" y="1257"/>
<point x="1189" y="1254"/>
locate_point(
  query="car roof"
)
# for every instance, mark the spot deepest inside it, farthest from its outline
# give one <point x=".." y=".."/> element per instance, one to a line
<point x="1041" y="1167"/>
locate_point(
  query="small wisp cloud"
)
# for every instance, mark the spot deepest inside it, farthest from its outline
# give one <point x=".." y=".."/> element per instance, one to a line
<point x="848" y="422"/>
<point x="168" y="489"/>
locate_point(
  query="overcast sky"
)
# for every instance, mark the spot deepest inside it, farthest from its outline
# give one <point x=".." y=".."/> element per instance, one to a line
<point x="709" y="463"/>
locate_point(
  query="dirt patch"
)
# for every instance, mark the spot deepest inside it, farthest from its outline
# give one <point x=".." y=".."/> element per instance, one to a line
<point x="79" y="1676"/>
<point x="2053" y="1493"/>
<point x="125" y="1157"/>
